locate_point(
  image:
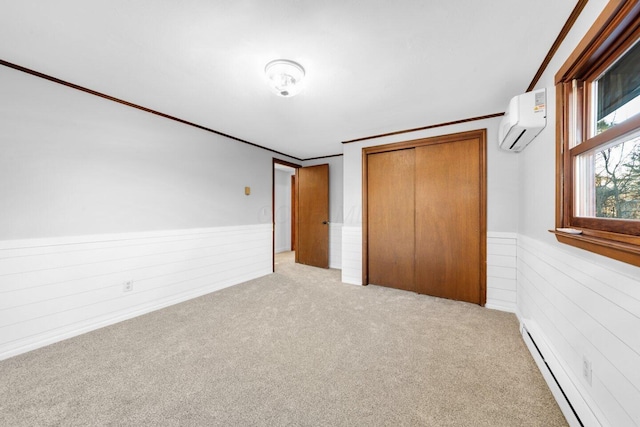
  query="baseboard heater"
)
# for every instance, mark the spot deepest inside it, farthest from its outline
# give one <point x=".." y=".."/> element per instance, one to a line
<point x="531" y="342"/>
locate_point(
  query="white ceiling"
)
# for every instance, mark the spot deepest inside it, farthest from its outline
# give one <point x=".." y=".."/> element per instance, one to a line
<point x="373" y="66"/>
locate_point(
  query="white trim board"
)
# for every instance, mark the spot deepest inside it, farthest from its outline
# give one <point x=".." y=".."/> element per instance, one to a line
<point x="501" y="271"/>
<point x="335" y="245"/>
<point x="352" y="254"/>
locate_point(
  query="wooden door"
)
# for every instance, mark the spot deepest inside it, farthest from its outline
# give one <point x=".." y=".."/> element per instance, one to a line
<point x="312" y="225"/>
<point x="425" y="216"/>
<point x="391" y="218"/>
<point x="449" y="220"/>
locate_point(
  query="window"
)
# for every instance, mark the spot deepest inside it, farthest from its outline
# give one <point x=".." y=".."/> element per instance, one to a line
<point x="598" y="155"/>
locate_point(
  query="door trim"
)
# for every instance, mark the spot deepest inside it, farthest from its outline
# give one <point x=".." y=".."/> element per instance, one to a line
<point x="294" y="217"/>
<point x="480" y="134"/>
<point x="273" y="206"/>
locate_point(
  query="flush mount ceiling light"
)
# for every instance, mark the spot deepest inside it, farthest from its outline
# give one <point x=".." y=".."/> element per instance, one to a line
<point x="284" y="77"/>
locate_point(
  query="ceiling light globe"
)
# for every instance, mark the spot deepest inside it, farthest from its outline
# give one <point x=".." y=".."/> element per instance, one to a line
<point x="284" y="77"/>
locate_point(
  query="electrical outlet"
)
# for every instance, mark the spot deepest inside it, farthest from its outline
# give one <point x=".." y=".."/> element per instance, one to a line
<point x="586" y="369"/>
<point x="127" y="286"/>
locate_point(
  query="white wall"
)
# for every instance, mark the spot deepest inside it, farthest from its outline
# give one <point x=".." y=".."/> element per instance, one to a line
<point x="502" y="196"/>
<point x="282" y="186"/>
<point x="75" y="164"/>
<point x="93" y="193"/>
<point x="576" y="304"/>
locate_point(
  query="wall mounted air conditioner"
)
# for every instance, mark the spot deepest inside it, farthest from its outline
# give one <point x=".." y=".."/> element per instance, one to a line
<point x="523" y="120"/>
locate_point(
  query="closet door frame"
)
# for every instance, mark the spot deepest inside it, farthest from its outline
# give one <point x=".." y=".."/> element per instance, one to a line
<point x="481" y="135"/>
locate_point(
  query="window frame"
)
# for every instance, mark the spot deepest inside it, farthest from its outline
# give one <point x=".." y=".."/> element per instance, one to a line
<point x="614" y="31"/>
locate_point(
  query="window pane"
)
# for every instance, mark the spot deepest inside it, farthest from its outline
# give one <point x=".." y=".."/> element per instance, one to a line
<point x="575" y="120"/>
<point x="584" y="185"/>
<point x="618" y="91"/>
<point x="607" y="181"/>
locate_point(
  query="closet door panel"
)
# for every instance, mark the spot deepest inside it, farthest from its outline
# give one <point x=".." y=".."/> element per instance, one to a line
<point x="448" y="220"/>
<point x="391" y="207"/>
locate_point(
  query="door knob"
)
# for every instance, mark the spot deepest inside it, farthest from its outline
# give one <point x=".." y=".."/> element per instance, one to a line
<point x="325" y="222"/>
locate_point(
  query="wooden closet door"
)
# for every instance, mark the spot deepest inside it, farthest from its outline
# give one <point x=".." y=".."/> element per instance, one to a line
<point x="390" y="207"/>
<point x="449" y="188"/>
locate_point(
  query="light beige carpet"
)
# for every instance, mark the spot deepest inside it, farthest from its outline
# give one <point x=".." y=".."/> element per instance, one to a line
<point x="295" y="348"/>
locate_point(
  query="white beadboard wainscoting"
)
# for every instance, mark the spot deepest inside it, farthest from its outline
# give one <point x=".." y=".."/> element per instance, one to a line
<point x="352" y="255"/>
<point x="335" y="245"/>
<point x="501" y="271"/>
<point x="578" y="310"/>
<point x="53" y="289"/>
